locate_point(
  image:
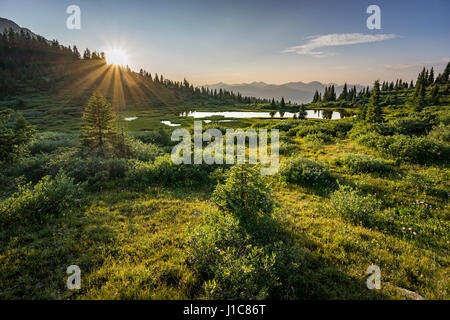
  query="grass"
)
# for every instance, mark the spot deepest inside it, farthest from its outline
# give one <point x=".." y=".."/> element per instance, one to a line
<point x="130" y="242"/>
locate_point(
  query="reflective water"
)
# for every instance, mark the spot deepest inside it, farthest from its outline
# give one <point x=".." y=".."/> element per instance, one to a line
<point x="311" y="114"/>
<point x="169" y="123"/>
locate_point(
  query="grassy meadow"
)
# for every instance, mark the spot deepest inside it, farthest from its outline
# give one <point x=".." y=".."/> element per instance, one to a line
<point x="349" y="194"/>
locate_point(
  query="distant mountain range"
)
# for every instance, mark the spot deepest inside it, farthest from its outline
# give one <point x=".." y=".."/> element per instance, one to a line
<point x="6" y="24"/>
<point x="299" y="92"/>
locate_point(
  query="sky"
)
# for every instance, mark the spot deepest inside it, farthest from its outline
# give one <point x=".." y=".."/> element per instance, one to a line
<point x="243" y="41"/>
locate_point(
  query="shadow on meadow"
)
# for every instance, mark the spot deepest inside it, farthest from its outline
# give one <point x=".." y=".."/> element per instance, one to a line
<point x="248" y="250"/>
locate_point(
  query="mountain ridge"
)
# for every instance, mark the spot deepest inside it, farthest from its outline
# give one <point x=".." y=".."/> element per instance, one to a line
<point x="298" y="92"/>
<point x="6" y="24"/>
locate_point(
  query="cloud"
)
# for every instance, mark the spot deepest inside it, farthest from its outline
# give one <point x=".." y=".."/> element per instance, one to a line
<point x="334" y="40"/>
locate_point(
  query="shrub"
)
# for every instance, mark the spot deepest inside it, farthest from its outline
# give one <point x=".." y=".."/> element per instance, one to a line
<point x="163" y="171"/>
<point x="47" y="142"/>
<point x="318" y="139"/>
<point x="410" y="149"/>
<point x="286" y="148"/>
<point x="440" y="133"/>
<point x="94" y="170"/>
<point x="142" y="151"/>
<point x="360" y="163"/>
<point x="335" y="128"/>
<point x="305" y="171"/>
<point x="159" y="137"/>
<point x="32" y="168"/>
<point x="47" y="199"/>
<point x="348" y="203"/>
<point x="416" y="150"/>
<point x="229" y="265"/>
<point x="245" y="194"/>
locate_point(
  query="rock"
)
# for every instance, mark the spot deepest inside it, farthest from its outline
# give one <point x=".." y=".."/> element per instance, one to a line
<point x="410" y="295"/>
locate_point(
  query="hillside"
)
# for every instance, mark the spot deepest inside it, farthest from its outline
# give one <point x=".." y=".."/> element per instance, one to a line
<point x="43" y="78"/>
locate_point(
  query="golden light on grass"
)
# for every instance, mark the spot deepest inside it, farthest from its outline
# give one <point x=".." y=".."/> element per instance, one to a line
<point x="116" y="57"/>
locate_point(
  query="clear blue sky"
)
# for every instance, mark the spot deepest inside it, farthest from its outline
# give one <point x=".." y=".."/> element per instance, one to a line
<point x="243" y="41"/>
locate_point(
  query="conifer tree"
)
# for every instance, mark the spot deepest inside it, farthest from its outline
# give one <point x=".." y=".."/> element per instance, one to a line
<point x="316" y="97"/>
<point x="419" y="102"/>
<point x="87" y="54"/>
<point x="273" y="104"/>
<point x="445" y="74"/>
<point x="374" y="107"/>
<point x="99" y="125"/>
<point x="302" y="113"/>
<point x="282" y="103"/>
<point x="435" y="94"/>
<point x="344" y="93"/>
<point x="13" y="140"/>
<point x="431" y="77"/>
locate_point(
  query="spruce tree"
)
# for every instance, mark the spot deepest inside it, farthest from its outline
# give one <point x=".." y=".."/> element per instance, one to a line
<point x="435" y="94"/>
<point x="13" y="139"/>
<point x="316" y="97"/>
<point x="445" y="75"/>
<point x="374" y="107"/>
<point x="302" y="112"/>
<point x="282" y="103"/>
<point x="419" y="102"/>
<point x="344" y="93"/>
<point x="99" y="125"/>
<point x="431" y="77"/>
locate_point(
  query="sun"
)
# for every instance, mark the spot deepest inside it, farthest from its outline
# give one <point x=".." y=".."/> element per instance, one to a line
<point x="116" y="56"/>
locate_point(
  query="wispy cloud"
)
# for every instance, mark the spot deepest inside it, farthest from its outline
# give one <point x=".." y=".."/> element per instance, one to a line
<point x="334" y="40"/>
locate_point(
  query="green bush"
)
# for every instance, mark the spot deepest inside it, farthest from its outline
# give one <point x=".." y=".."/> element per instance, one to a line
<point x="163" y="171"/>
<point x="228" y="264"/>
<point x="305" y="171"/>
<point x="440" y="133"/>
<point x="47" y="199"/>
<point x="348" y="203"/>
<point x="160" y="137"/>
<point x="360" y="163"/>
<point x="32" y="168"/>
<point x="47" y="142"/>
<point x="245" y="194"/>
<point x="94" y="170"/>
<point x="420" y="150"/>
<point x="286" y="148"/>
<point x="142" y="151"/>
<point x="335" y="128"/>
<point x="318" y="139"/>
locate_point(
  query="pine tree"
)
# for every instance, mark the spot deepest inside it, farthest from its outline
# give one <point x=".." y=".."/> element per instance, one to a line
<point x="302" y="113"/>
<point x="14" y="141"/>
<point x="87" y="54"/>
<point x="76" y="54"/>
<point x="273" y="104"/>
<point x="344" y="93"/>
<point x="419" y="102"/>
<point x="316" y="97"/>
<point x="445" y="74"/>
<point x="282" y="103"/>
<point x="435" y="94"/>
<point x="362" y="111"/>
<point x="374" y="107"/>
<point x="431" y="77"/>
<point x="99" y="125"/>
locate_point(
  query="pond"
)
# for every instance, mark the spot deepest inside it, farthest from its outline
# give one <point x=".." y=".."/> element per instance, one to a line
<point x="311" y="114"/>
<point x="169" y="123"/>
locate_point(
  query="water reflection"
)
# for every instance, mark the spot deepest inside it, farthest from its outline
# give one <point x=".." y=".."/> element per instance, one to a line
<point x="310" y="114"/>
